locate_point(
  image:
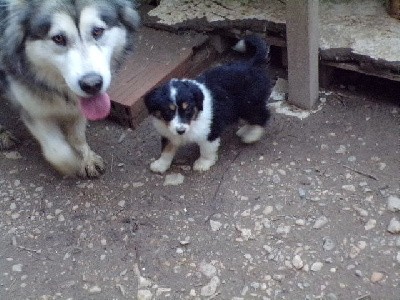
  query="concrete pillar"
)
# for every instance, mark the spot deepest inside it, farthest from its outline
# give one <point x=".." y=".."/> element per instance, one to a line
<point x="302" y="32"/>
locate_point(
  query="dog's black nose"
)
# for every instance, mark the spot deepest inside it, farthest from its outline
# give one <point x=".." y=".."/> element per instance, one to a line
<point x="91" y="83"/>
<point x="180" y="131"/>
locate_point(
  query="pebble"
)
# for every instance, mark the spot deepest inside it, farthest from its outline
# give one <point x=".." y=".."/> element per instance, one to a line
<point x="17" y="268"/>
<point x="215" y="225"/>
<point x="320" y="222"/>
<point x="349" y="187"/>
<point x="174" y="179"/>
<point x="268" y="210"/>
<point x="297" y="262"/>
<point x="394" y="226"/>
<point x="207" y="269"/>
<point x="341" y="149"/>
<point x="95" y="290"/>
<point x="393" y="203"/>
<point x="121" y="203"/>
<point x="317" y="266"/>
<point x="328" y="244"/>
<point x="302" y="193"/>
<point x="398" y="257"/>
<point x="211" y="288"/>
<point x="144" y="295"/>
<point x="370" y="224"/>
<point x="376" y="277"/>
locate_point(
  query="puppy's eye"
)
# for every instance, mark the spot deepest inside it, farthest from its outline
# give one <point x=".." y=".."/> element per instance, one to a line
<point x="97" y="32"/>
<point x="172" y="107"/>
<point x="60" y="39"/>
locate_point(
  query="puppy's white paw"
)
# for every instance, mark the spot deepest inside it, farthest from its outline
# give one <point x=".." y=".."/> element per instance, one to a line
<point x="160" y="166"/>
<point x="252" y="134"/>
<point x="92" y="166"/>
<point x="203" y="164"/>
<point x="242" y="130"/>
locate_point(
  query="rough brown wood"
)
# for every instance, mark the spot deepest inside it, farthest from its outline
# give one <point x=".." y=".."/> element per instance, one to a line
<point x="159" y="56"/>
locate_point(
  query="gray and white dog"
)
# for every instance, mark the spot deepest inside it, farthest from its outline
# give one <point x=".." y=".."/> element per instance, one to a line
<point x="57" y="58"/>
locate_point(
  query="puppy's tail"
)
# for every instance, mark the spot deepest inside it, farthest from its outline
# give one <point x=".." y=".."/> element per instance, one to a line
<point x="256" y="46"/>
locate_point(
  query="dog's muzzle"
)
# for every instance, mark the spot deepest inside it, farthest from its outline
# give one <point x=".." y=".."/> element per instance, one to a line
<point x="91" y="83"/>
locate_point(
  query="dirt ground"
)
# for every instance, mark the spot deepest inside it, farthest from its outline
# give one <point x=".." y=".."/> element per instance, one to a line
<point x="303" y="214"/>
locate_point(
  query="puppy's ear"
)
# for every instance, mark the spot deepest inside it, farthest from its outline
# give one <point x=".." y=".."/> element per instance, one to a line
<point x="198" y="98"/>
<point x="128" y="15"/>
<point x="151" y="100"/>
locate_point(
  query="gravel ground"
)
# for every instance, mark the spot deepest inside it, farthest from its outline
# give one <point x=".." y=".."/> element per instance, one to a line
<point x="310" y="212"/>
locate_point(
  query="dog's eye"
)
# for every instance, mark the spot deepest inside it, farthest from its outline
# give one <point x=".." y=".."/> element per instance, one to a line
<point x="60" y="40"/>
<point x="97" y="32"/>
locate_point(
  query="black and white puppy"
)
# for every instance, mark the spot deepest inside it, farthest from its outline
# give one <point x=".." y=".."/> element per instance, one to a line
<point x="198" y="110"/>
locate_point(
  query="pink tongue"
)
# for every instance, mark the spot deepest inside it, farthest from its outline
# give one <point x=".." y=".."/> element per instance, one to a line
<point x="96" y="107"/>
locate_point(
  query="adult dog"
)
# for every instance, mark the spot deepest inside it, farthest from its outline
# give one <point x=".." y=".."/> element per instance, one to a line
<point x="57" y="58"/>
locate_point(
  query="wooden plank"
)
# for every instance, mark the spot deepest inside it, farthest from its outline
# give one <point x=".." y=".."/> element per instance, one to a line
<point x="158" y="57"/>
<point x="302" y="45"/>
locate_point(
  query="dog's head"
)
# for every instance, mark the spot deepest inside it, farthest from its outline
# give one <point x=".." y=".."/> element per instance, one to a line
<point x="68" y="46"/>
<point x="177" y="104"/>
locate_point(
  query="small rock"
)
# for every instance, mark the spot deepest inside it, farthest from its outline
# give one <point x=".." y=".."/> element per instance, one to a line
<point x="398" y="257"/>
<point x="317" y="266"/>
<point x="283" y="229"/>
<point x="121" y="203"/>
<point x="144" y="295"/>
<point x="215" y="225"/>
<point x="331" y="296"/>
<point x="300" y="222"/>
<point x="95" y="290"/>
<point x="268" y="210"/>
<point x="211" y="288"/>
<point x="394" y="226"/>
<point x="320" y="222"/>
<point x="297" y="262"/>
<point x="174" y="179"/>
<point x="17" y="268"/>
<point x="376" y="277"/>
<point x="393" y="203"/>
<point x="349" y="188"/>
<point x="328" y="244"/>
<point x="302" y="193"/>
<point x="207" y="269"/>
<point x="341" y="149"/>
<point x="370" y="224"/>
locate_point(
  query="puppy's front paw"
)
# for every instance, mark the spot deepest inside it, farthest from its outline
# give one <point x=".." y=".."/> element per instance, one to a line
<point x="7" y="139"/>
<point x="203" y="164"/>
<point x="160" y="166"/>
<point x="92" y="166"/>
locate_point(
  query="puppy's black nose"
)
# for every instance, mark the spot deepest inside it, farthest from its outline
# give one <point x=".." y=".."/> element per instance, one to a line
<point x="180" y="131"/>
<point x="91" y="83"/>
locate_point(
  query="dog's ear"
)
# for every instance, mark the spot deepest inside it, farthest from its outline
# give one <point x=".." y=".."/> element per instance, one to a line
<point x="14" y="35"/>
<point x="151" y="101"/>
<point x="128" y="15"/>
<point x="198" y="97"/>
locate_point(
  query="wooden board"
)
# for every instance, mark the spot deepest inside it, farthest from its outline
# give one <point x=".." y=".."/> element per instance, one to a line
<point x="158" y="57"/>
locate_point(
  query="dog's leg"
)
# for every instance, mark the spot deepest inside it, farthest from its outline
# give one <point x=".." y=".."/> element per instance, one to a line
<point x="54" y="146"/>
<point x="208" y="155"/>
<point x="7" y="139"/>
<point x="91" y="164"/>
<point x="164" y="162"/>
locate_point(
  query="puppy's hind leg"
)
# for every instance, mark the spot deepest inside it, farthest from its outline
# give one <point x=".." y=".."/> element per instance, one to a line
<point x="164" y="162"/>
<point x="91" y="164"/>
<point x="7" y="139"/>
<point x="208" y="155"/>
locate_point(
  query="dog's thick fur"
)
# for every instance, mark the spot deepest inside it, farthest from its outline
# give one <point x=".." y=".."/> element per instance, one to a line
<point x="198" y="110"/>
<point x="57" y="58"/>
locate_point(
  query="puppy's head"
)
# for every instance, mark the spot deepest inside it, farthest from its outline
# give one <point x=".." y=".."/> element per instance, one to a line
<point x="177" y="104"/>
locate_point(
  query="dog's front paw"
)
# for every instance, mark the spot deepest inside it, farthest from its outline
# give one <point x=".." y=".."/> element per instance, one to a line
<point x="160" y="166"/>
<point x="92" y="167"/>
<point x="203" y="164"/>
<point x="7" y="139"/>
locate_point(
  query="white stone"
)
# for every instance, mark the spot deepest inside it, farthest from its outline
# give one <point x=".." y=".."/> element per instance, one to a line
<point x="393" y="203"/>
<point x="215" y="225"/>
<point x="144" y="295"/>
<point x="394" y="226"/>
<point x="174" y="179"/>
<point x="320" y="222"/>
<point x="297" y="262"/>
<point x="207" y="269"/>
<point x="317" y="266"/>
<point x="370" y="224"/>
<point x="95" y="290"/>
<point x="398" y="257"/>
<point x="211" y="288"/>
<point x="17" y="268"/>
<point x="349" y="187"/>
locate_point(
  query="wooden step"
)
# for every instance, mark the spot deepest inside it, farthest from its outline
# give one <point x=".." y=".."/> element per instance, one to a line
<point x="158" y="56"/>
